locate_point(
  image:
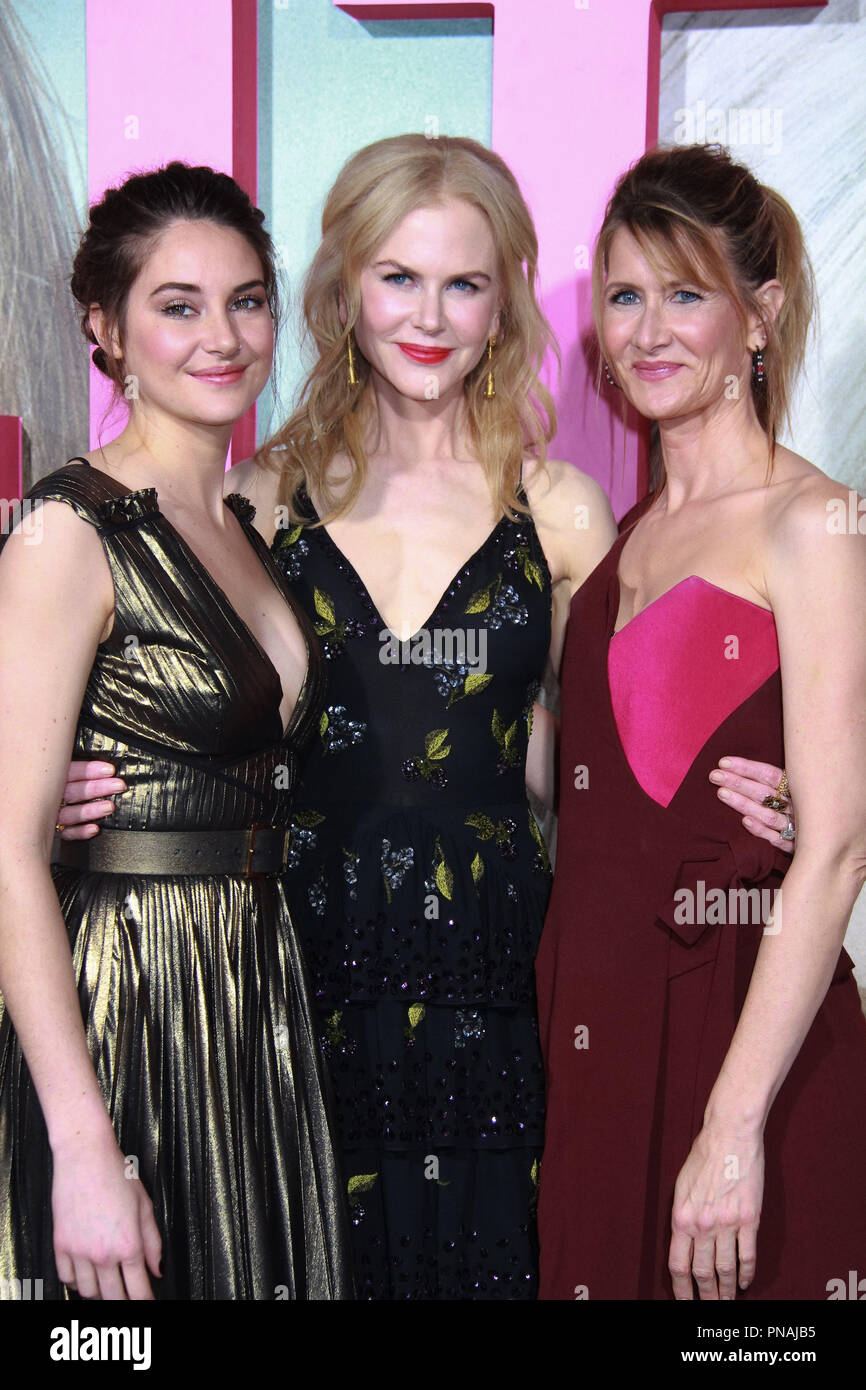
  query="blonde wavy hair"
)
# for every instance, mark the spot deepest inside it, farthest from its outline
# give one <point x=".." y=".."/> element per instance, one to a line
<point x="374" y="191"/>
<point x="694" y="211"/>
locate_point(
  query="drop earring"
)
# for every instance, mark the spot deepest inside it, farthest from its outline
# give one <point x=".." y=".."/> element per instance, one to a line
<point x="611" y="380"/>
<point x="353" y="376"/>
<point x="490" y="388"/>
<point x="758" y="367"/>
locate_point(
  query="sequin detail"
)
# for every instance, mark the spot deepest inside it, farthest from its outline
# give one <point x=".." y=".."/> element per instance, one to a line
<point x="436" y="747"/>
<point x="395" y="865"/>
<point x="292" y="549"/>
<point x="337" y="731"/>
<point x="468" y="1027"/>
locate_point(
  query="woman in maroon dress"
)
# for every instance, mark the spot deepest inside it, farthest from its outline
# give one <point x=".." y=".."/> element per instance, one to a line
<point x="704" y="1042"/>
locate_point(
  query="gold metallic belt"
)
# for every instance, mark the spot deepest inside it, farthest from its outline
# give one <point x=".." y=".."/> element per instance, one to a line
<point x="248" y="853"/>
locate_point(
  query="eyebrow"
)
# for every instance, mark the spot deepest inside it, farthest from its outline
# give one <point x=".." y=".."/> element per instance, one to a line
<point x="196" y="289"/>
<point x="461" y="275"/>
<point x="666" y="284"/>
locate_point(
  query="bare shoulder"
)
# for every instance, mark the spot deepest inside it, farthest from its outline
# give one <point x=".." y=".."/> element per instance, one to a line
<point x="573" y="518"/>
<point x="53" y="563"/>
<point x="805" y="505"/>
<point x="815" y="556"/>
<point x="245" y="477"/>
<point x="558" y="484"/>
<point x="261" y="486"/>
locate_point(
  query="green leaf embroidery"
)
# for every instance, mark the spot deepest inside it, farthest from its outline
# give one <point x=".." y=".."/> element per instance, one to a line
<point x="510" y="736"/>
<point x="323" y="724"/>
<point x="307" y="819"/>
<point x="538" y="838"/>
<point x="477" y="869"/>
<point x="324" y="606"/>
<point x="333" y="1031"/>
<point x="475" y="682"/>
<point x="483" y="824"/>
<point x="496" y="727"/>
<point x="433" y="743"/>
<point x="444" y="880"/>
<point x="532" y="572"/>
<point x="416" y="1014"/>
<point x="361" y="1182"/>
<point x="478" y="601"/>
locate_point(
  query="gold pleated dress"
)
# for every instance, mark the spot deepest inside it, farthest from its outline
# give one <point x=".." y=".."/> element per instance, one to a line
<point x="193" y="989"/>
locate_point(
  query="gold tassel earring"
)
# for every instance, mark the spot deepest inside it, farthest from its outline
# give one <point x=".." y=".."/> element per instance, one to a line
<point x="353" y="376"/>
<point x="490" y="388"/>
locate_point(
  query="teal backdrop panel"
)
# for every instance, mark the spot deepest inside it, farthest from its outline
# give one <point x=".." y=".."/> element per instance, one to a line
<point x="56" y="38"/>
<point x="328" y="85"/>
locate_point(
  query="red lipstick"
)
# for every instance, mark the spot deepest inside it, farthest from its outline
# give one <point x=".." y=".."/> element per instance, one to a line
<point x="426" y="355"/>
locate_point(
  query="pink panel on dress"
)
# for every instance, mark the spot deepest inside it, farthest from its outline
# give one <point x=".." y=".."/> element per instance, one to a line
<point x="678" y="670"/>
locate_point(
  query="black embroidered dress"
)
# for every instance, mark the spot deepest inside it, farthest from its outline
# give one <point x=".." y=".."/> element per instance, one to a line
<point x="419" y="882"/>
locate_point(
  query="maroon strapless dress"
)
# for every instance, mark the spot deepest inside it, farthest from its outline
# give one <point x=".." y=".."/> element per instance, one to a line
<point x="648" y="949"/>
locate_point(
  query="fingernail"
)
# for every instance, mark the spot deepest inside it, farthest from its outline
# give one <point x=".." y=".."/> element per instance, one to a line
<point x="724" y="793"/>
<point x="716" y="776"/>
<point x="748" y="822"/>
<point x="724" y="762"/>
<point x="90" y="831"/>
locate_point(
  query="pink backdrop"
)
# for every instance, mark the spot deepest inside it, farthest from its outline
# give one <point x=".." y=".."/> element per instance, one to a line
<point x="575" y="99"/>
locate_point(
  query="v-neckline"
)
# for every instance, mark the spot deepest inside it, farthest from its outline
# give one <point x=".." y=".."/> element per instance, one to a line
<point x="455" y="579"/>
<point x="221" y="595"/>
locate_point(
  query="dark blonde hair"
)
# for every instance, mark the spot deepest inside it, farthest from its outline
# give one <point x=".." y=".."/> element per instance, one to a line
<point x="374" y="191"/>
<point x="693" y="210"/>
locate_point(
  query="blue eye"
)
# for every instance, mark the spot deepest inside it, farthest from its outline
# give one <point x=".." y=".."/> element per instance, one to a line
<point x="690" y="296"/>
<point x="397" y="277"/>
<point x="467" y="284"/>
<point x="624" y="297"/>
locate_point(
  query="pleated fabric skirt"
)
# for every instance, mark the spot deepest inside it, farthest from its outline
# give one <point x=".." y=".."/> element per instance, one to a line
<point x="195" y="1005"/>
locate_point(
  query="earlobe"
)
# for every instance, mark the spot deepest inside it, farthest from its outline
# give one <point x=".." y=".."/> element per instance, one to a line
<point x="771" y="297"/>
<point x="108" y="340"/>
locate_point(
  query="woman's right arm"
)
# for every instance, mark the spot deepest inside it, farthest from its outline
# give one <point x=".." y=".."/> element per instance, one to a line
<point x="104" y="1231"/>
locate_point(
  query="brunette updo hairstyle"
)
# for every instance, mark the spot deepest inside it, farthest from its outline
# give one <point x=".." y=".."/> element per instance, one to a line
<point x="694" y="211"/>
<point x="125" y="225"/>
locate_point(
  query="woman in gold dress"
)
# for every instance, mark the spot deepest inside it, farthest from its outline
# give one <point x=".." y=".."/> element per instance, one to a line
<point x="164" y="1128"/>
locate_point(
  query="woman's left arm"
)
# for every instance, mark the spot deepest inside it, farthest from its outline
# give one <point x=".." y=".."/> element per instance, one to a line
<point x="815" y="580"/>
